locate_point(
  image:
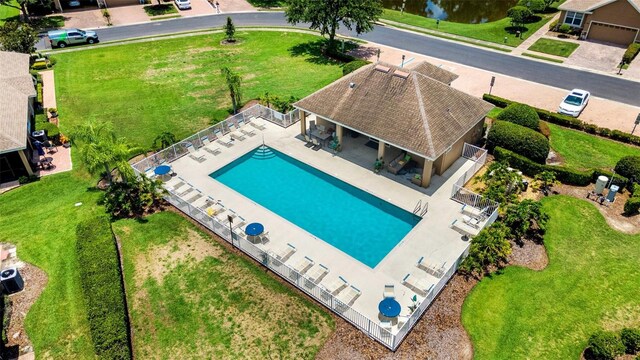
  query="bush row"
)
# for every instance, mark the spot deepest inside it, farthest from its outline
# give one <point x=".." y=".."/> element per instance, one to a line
<point x="631" y="53"/>
<point x="519" y="139"/>
<point x="563" y="174"/>
<point x="521" y="114"/>
<point x="102" y="288"/>
<point x="629" y="166"/>
<point x="570" y="122"/>
<point x="608" y="345"/>
<point x="353" y="66"/>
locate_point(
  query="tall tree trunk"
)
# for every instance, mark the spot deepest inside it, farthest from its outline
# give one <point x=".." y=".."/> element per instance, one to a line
<point x="233" y="101"/>
<point x="108" y="170"/>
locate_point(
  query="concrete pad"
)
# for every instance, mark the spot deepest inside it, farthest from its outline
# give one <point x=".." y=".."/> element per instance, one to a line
<point x="596" y="56"/>
<point x="84" y="19"/>
<point x="61" y="160"/>
<point x="198" y="7"/>
<point x="227" y="6"/>
<point x="48" y="90"/>
<point x="132" y="14"/>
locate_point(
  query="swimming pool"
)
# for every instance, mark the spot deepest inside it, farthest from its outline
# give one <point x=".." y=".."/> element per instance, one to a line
<point x="354" y="221"/>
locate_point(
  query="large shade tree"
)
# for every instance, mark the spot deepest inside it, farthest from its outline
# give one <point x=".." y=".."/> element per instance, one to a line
<point x="18" y="37"/>
<point x="326" y="16"/>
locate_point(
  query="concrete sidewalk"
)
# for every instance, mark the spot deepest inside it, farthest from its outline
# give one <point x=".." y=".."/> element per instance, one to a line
<point x="601" y="112"/>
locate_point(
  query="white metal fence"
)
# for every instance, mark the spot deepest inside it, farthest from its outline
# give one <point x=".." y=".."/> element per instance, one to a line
<point x="213" y="133"/>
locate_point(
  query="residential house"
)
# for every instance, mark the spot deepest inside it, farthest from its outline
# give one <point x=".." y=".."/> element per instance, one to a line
<point x="614" y="21"/>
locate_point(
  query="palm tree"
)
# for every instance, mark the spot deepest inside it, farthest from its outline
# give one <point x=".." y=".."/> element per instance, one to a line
<point x="233" y="82"/>
<point x="165" y="139"/>
<point x="100" y="150"/>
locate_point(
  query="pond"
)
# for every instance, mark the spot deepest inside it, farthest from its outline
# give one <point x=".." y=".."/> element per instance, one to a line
<point x="460" y="11"/>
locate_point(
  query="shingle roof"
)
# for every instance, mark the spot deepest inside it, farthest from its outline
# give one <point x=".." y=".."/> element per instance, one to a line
<point x="402" y="107"/>
<point x="590" y="5"/>
<point x="16" y="86"/>
<point x="435" y="72"/>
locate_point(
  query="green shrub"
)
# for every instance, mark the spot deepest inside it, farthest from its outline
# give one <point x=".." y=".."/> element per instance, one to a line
<point x="629" y="166"/>
<point x="634" y="189"/>
<point x="631" y="340"/>
<point x="340" y="56"/>
<point x="53" y="132"/>
<point x="632" y="206"/>
<point x="27" y="179"/>
<point x="520" y="114"/>
<point x="605" y="345"/>
<point x="102" y="288"/>
<point x="543" y="128"/>
<point x="631" y="53"/>
<point x="519" y="139"/>
<point x="353" y="66"/>
<point x="553" y="24"/>
<point x="564" y="28"/>
<point x="533" y="5"/>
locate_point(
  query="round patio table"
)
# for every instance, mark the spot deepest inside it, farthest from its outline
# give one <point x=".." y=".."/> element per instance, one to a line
<point x="253" y="230"/>
<point x="162" y="171"/>
<point x="389" y="307"/>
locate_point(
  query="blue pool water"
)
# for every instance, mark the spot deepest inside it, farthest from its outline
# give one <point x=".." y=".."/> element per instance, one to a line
<point x="354" y="221"/>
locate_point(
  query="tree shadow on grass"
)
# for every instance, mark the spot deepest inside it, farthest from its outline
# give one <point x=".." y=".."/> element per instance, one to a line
<point x="314" y="50"/>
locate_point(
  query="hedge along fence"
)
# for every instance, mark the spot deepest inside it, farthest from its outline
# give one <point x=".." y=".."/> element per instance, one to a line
<point x="521" y="114"/>
<point x="563" y="174"/>
<point x="103" y="289"/>
<point x="520" y="139"/>
<point x="570" y="122"/>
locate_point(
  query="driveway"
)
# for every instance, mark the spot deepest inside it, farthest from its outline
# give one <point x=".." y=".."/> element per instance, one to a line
<point x="121" y="15"/>
<point x="198" y="7"/>
<point x="83" y="18"/>
<point x="597" y="56"/>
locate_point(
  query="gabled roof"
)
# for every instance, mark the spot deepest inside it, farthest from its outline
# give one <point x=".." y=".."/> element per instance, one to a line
<point x="434" y="72"/>
<point x="591" y="5"/>
<point x="16" y="86"/>
<point x="402" y="107"/>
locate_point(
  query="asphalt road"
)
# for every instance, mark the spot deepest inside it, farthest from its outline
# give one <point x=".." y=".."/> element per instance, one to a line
<point x="603" y="86"/>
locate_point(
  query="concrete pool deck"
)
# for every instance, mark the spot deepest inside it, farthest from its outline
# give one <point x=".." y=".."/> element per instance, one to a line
<point x="432" y="237"/>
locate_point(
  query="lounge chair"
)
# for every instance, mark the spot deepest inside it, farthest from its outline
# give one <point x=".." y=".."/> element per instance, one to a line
<point x="316" y="273"/>
<point x="335" y="286"/>
<point x="349" y="296"/>
<point x="474" y="211"/>
<point x="308" y="140"/>
<point x="431" y="269"/>
<point x="187" y="191"/>
<point x="195" y="197"/>
<point x="225" y="142"/>
<point x="194" y="155"/>
<point x="214" y="151"/>
<point x="235" y="133"/>
<point x="253" y="121"/>
<point x="386" y="325"/>
<point x="303" y="265"/>
<point x="284" y="252"/>
<point x="248" y="133"/>
<point x="402" y="320"/>
<point x="208" y="202"/>
<point x="471" y="221"/>
<point x="240" y="223"/>
<point x="464" y="229"/>
<point x="175" y="187"/>
<point x="417" y="283"/>
<point x="389" y="292"/>
<point x="398" y="163"/>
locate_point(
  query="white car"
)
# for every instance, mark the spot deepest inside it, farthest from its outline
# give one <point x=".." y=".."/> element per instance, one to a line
<point x="574" y="102"/>
<point x="183" y="4"/>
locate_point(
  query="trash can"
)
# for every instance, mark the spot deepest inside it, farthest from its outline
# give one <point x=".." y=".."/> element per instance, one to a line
<point x="612" y="192"/>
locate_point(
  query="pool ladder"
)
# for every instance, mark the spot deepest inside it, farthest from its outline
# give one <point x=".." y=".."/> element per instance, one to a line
<point x="421" y="208"/>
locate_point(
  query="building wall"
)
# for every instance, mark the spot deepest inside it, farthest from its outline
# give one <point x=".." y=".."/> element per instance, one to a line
<point x="620" y="13"/>
<point x="471" y="137"/>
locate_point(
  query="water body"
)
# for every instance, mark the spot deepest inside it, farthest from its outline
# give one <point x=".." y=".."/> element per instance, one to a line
<point x="460" y="11"/>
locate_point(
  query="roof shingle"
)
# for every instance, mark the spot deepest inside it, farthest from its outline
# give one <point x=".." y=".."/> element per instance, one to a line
<point x="16" y="86"/>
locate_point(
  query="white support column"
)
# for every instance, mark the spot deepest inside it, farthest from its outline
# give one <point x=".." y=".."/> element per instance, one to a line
<point x="339" y="131"/>
<point x="426" y="173"/>
<point x="25" y="162"/>
<point x="303" y="122"/>
<point x="381" y="147"/>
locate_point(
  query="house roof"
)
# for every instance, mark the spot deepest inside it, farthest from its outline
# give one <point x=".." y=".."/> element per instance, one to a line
<point x="402" y="107"/>
<point x="591" y="5"/>
<point x="435" y="72"/>
<point x="16" y="86"/>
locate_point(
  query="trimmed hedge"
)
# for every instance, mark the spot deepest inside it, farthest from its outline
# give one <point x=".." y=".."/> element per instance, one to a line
<point x="353" y="66"/>
<point x="563" y="174"/>
<point x="544" y="129"/>
<point x="519" y="139"/>
<point x="631" y="53"/>
<point x="629" y="166"/>
<point x="570" y="122"/>
<point x="605" y="345"/>
<point x="631" y="340"/>
<point x="521" y="114"/>
<point x="102" y="288"/>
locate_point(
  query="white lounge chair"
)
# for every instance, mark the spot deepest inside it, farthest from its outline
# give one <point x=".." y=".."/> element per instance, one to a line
<point x="213" y="151"/>
<point x="253" y="121"/>
<point x="417" y="283"/>
<point x="194" y="155"/>
<point x="464" y="229"/>
<point x="336" y="285"/>
<point x="473" y="211"/>
<point x="389" y="292"/>
<point x="316" y="273"/>
<point x="240" y="223"/>
<point x="235" y="132"/>
<point x="248" y="133"/>
<point x="349" y="296"/>
<point x="284" y="252"/>
<point x="173" y="187"/>
<point x="431" y="269"/>
<point x="303" y="265"/>
<point x="195" y="197"/>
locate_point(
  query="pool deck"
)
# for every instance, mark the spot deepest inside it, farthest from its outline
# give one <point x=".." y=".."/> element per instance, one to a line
<point x="432" y="237"/>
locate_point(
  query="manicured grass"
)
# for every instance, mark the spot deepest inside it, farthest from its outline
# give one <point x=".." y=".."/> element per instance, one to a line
<point x="494" y="31"/>
<point x="40" y="218"/>
<point x="161" y="9"/>
<point x="191" y="297"/>
<point x="585" y="151"/>
<point x="175" y="84"/>
<point x="542" y="57"/>
<point x="267" y="3"/>
<point x="591" y="283"/>
<point x="9" y="11"/>
<point x="554" y="47"/>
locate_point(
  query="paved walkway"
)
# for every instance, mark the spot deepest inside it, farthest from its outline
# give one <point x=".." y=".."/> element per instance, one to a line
<point x="533" y="38"/>
<point x="61" y="158"/>
<point x="48" y="89"/>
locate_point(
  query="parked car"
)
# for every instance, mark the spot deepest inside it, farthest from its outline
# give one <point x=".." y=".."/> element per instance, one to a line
<point x="574" y="102"/>
<point x="74" y="3"/>
<point x="183" y="4"/>
<point x="62" y="38"/>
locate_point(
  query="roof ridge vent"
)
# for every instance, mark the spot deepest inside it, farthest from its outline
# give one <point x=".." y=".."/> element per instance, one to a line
<point x="382" y="68"/>
<point x="401" y="74"/>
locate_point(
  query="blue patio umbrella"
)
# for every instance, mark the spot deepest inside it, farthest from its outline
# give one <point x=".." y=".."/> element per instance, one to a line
<point x="39" y="148"/>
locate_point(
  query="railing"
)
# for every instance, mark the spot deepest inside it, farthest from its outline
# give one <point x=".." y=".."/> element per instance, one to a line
<point x="218" y="130"/>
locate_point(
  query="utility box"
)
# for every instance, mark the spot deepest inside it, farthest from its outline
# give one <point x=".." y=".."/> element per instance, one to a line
<point x="601" y="183"/>
<point x="11" y="280"/>
<point x="613" y="190"/>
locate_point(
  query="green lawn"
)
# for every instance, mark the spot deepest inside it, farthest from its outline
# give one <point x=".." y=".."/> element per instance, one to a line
<point x="190" y="297"/>
<point x="161" y="9"/>
<point x="9" y="11"/>
<point x="591" y="283"/>
<point x="175" y="84"/>
<point x="267" y="3"/>
<point x="585" y="151"/>
<point x="554" y="47"/>
<point x="40" y="218"/>
<point x="494" y="31"/>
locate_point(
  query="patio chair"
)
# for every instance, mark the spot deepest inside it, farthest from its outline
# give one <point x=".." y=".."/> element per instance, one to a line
<point x="284" y="252"/>
<point x="316" y="144"/>
<point x="335" y="286"/>
<point x="402" y="320"/>
<point x="225" y="142"/>
<point x="474" y="211"/>
<point x="431" y="269"/>
<point x="195" y="197"/>
<point x="309" y="141"/>
<point x="317" y="273"/>
<point x="194" y="155"/>
<point x="389" y="292"/>
<point x="253" y="121"/>
<point x="50" y="147"/>
<point x="386" y="325"/>
<point x="417" y="283"/>
<point x="215" y="151"/>
<point x="303" y="265"/>
<point x="398" y="163"/>
<point x="248" y="133"/>
<point x="464" y="229"/>
<point x="349" y="296"/>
